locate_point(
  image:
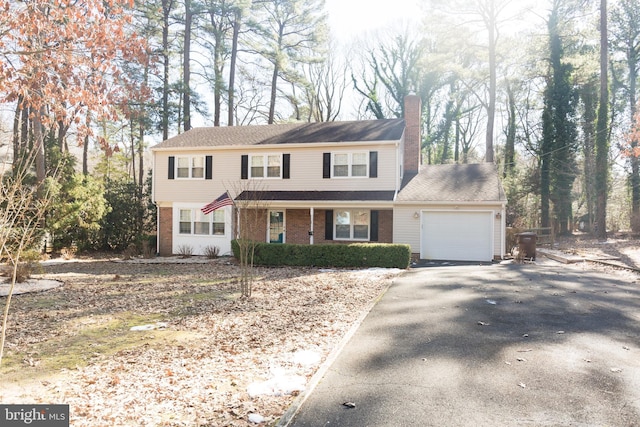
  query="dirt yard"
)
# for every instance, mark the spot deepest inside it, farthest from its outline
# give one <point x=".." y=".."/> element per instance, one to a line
<point x="172" y="343"/>
<point x="198" y="354"/>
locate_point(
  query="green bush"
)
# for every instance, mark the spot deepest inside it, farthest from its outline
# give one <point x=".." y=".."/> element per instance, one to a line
<point x="331" y="255"/>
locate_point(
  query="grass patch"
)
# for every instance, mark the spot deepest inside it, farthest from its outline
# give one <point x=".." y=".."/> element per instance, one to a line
<point x="85" y="340"/>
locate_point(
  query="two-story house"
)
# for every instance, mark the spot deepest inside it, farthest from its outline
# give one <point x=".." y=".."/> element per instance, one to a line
<point x="353" y="181"/>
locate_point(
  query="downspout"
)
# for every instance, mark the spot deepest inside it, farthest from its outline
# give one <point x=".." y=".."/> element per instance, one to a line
<point x="153" y="200"/>
<point x="311" y="214"/>
<point x="503" y="224"/>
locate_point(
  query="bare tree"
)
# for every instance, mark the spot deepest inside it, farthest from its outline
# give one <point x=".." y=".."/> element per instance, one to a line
<point x="22" y="210"/>
<point x="251" y="218"/>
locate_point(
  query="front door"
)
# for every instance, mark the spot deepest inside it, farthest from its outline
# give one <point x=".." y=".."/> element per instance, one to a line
<point x="276" y="227"/>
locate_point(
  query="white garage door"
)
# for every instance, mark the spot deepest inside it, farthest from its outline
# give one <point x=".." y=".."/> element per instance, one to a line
<point x="457" y="235"/>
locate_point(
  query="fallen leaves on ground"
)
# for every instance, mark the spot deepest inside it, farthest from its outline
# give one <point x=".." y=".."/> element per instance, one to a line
<point x="196" y="371"/>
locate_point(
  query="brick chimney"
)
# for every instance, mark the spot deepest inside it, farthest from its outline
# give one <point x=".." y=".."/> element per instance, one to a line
<point x="412" y="133"/>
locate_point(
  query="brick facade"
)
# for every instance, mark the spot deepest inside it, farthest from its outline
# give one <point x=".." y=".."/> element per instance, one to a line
<point x="413" y="134"/>
<point x="297" y="226"/>
<point x="165" y="236"/>
<point x="253" y="224"/>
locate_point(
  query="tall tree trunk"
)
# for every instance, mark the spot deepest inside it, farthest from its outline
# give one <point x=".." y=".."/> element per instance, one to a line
<point x="218" y="65"/>
<point x="272" y="99"/>
<point x="232" y="66"/>
<point x="589" y="95"/>
<point x="38" y="145"/>
<point x="602" y="134"/>
<point x="85" y="149"/>
<point x="132" y="141"/>
<point x="16" y="132"/>
<point x="26" y="125"/>
<point x="510" y="143"/>
<point x="634" y="179"/>
<point x="166" y="11"/>
<point x="491" y="108"/>
<point x="186" y="66"/>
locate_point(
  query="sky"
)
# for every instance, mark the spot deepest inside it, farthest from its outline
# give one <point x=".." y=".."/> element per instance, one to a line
<point x="352" y="18"/>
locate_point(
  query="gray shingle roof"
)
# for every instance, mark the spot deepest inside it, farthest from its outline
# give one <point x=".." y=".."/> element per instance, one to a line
<point x="461" y="183"/>
<point x="291" y="133"/>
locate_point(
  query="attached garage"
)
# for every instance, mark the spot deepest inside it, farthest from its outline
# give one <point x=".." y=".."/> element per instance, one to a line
<point x="456" y="235"/>
<point x="452" y="212"/>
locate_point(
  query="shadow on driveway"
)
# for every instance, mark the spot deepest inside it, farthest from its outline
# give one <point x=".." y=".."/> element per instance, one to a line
<point x="490" y="345"/>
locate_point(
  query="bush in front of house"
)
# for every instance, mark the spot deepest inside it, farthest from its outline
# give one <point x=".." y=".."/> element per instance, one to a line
<point x="383" y="255"/>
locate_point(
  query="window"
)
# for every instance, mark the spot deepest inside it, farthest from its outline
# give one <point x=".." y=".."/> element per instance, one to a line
<point x="257" y="166"/>
<point x="190" y="167"/>
<point x="269" y="166"/>
<point x="193" y="221"/>
<point x="218" y="222"/>
<point x="185" y="221"/>
<point x="352" y="224"/>
<point x="340" y="165"/>
<point x="359" y="164"/>
<point x="201" y="224"/>
<point x="350" y="164"/>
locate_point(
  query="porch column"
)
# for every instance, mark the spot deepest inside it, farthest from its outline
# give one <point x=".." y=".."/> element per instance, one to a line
<point x="311" y="227"/>
<point x="237" y="223"/>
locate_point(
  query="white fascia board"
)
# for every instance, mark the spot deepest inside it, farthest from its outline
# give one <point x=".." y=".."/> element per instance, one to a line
<point x="252" y="147"/>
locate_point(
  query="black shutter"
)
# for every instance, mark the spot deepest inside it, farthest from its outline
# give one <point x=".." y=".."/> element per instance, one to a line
<point x="328" y="225"/>
<point x="326" y="165"/>
<point x="374" y="226"/>
<point x="286" y="165"/>
<point x="172" y="167"/>
<point x="244" y="167"/>
<point x="208" y="167"/>
<point x="373" y="164"/>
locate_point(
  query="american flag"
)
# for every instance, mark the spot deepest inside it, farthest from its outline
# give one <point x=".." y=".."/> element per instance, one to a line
<point x="223" y="200"/>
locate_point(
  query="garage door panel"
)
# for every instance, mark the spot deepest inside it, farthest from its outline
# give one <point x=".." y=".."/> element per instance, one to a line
<point x="457" y="236"/>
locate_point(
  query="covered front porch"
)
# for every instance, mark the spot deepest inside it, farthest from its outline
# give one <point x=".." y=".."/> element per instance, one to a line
<point x="315" y="217"/>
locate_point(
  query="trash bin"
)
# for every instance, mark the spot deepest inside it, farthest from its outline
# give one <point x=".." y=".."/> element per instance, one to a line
<point x="527" y="245"/>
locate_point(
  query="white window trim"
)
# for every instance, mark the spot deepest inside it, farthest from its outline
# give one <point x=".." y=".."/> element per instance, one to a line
<point x="351" y="225"/>
<point x="192" y="218"/>
<point x="191" y="159"/>
<point x="265" y="165"/>
<point x="349" y="164"/>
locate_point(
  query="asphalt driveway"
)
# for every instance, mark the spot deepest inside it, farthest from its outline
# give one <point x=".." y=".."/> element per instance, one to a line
<point x="493" y="345"/>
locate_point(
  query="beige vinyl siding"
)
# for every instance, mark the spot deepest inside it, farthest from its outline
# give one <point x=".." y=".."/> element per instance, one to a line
<point x="305" y="172"/>
<point x="406" y="228"/>
<point x="187" y="190"/>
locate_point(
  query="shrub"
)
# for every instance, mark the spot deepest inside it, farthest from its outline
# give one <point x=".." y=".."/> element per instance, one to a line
<point x="185" y="251"/>
<point x="130" y="252"/>
<point x="28" y="265"/>
<point x="148" y="247"/>
<point x="212" y="252"/>
<point x="331" y="255"/>
<point x="69" y="252"/>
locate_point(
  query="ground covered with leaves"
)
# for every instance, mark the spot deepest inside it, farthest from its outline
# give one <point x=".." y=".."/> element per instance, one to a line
<point x="198" y="354"/>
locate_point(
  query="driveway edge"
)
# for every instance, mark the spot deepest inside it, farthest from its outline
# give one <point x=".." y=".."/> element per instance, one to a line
<point x="290" y="413"/>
